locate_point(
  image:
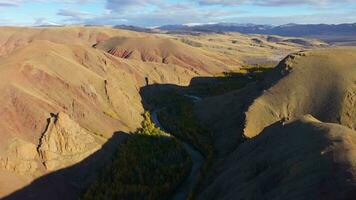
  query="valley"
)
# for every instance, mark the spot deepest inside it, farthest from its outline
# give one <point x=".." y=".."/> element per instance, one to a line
<point x="105" y="113"/>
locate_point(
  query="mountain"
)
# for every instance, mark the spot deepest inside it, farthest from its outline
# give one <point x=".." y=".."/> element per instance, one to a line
<point x="338" y="33"/>
<point x="220" y="27"/>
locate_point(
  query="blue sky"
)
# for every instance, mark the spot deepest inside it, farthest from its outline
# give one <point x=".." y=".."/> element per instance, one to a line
<point x="150" y="13"/>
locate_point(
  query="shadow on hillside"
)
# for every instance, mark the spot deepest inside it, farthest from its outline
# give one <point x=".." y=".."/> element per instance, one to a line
<point x="156" y="96"/>
<point x="246" y="87"/>
<point x="68" y="183"/>
<point x="216" y="138"/>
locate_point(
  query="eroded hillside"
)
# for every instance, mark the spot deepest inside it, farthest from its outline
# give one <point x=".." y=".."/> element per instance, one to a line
<point x="299" y="122"/>
<point x="66" y="91"/>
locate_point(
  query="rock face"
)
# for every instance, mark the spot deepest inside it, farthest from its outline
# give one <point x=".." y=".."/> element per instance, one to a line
<point x="65" y="143"/>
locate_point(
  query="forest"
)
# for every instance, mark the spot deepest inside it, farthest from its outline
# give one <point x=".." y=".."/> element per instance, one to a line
<point x="150" y="165"/>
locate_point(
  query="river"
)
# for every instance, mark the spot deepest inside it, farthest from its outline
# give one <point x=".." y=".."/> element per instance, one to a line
<point x="187" y="186"/>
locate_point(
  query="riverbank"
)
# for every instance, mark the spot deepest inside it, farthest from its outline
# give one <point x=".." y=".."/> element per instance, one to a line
<point x="187" y="186"/>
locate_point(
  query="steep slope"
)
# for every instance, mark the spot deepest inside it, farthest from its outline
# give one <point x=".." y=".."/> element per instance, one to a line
<point x="301" y="159"/>
<point x="301" y="123"/>
<point x="95" y="94"/>
<point x="65" y="143"/>
<point x="321" y="83"/>
<point x="224" y="116"/>
<point x="162" y="50"/>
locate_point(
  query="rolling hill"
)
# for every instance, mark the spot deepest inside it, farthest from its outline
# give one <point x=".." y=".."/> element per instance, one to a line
<point x="162" y="50"/>
<point x="320" y="83"/>
<point x="299" y="125"/>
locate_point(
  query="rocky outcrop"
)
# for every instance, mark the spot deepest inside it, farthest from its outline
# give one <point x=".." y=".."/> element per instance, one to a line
<point x="65" y="143"/>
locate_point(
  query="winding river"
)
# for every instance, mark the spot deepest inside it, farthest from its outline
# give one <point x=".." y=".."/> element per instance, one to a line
<point x="187" y="186"/>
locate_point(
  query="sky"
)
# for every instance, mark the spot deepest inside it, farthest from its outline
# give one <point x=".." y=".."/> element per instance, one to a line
<point x="151" y="13"/>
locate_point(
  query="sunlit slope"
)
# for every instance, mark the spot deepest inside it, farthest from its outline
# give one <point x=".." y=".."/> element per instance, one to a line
<point x="62" y="99"/>
<point x="95" y="94"/>
<point x="163" y="50"/>
<point x="300" y="125"/>
<point x="317" y="82"/>
<point x="251" y="49"/>
<point x="12" y="38"/>
<point x="320" y="82"/>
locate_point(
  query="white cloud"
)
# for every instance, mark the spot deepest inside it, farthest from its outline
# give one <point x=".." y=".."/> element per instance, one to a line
<point x="6" y="3"/>
<point x="273" y="2"/>
<point x="44" y="22"/>
<point x="10" y="3"/>
<point x="126" y="5"/>
<point x="160" y="12"/>
<point x="74" y="14"/>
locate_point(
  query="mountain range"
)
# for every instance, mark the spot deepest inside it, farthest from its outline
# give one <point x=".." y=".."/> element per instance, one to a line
<point x="332" y="33"/>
